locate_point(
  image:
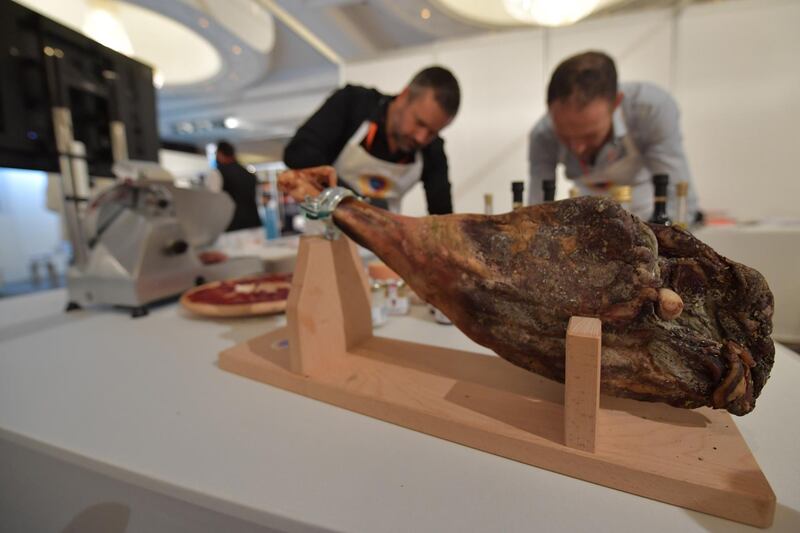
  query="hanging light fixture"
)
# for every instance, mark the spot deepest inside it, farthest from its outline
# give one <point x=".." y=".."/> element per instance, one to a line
<point x="102" y="25"/>
<point x="158" y="78"/>
<point x="550" y="12"/>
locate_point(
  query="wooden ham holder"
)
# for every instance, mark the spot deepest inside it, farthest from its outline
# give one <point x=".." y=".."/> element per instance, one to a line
<point x="691" y="458"/>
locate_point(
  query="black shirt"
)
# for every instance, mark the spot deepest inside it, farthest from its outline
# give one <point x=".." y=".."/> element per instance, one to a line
<point x="320" y="140"/>
<point x="240" y="184"/>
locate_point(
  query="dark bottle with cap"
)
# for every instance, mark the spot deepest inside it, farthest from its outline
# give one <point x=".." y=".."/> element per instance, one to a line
<point x="549" y="189"/>
<point x="517" y="188"/>
<point x="660" y="216"/>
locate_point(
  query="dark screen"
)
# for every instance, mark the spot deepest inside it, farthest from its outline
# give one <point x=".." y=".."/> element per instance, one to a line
<point x="96" y="83"/>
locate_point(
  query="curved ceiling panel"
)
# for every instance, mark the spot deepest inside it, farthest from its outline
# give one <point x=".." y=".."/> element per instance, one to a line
<point x="140" y="33"/>
<point x="242" y="65"/>
<point x="166" y="44"/>
<point x="195" y="46"/>
<point x="248" y="20"/>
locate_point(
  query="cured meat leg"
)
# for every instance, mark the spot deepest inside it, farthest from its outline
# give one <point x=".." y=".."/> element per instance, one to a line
<point x="511" y="282"/>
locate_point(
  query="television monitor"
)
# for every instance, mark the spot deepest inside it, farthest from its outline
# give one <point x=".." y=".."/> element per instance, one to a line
<point x="44" y="64"/>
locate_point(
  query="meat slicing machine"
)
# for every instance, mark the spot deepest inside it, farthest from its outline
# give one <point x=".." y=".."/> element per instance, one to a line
<point x="136" y="242"/>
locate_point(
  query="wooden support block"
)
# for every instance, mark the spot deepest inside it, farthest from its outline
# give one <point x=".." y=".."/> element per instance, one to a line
<point x="329" y="311"/>
<point x="582" y="383"/>
<point x="692" y="458"/>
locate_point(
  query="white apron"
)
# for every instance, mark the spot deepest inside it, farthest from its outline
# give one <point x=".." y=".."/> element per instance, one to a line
<point x="621" y="169"/>
<point x="373" y="177"/>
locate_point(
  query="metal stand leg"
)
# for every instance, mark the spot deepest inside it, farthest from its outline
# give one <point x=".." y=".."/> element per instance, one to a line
<point x="140" y="311"/>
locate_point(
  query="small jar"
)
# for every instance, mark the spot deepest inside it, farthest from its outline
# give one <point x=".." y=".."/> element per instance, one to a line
<point x="397" y="301"/>
<point x="379" y="309"/>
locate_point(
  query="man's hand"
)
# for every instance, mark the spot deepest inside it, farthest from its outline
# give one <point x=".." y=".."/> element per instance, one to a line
<point x="303" y="182"/>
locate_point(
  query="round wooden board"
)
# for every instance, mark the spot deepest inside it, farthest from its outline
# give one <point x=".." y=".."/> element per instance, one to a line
<point x="233" y="310"/>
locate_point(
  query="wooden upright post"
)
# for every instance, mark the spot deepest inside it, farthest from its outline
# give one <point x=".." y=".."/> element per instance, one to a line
<point x="582" y="383"/>
<point x="328" y="311"/>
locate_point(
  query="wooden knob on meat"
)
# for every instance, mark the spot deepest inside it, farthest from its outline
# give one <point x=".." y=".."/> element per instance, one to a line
<point x="670" y="304"/>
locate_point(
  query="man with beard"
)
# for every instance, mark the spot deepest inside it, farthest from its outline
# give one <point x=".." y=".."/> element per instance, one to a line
<point x="380" y="145"/>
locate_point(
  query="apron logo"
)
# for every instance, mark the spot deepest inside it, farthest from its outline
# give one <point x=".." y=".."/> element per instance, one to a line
<point x="374" y="185"/>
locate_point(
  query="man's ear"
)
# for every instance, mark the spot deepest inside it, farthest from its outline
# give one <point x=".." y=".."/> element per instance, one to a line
<point x="618" y="100"/>
<point x="404" y="95"/>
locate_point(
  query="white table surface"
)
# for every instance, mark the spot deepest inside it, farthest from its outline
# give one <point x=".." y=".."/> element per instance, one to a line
<point x="143" y="401"/>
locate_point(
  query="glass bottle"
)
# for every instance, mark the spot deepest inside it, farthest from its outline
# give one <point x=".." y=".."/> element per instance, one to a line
<point x="517" y="188"/>
<point x="682" y="193"/>
<point x="488" y="200"/>
<point x="660" y="216"/>
<point x="379" y="308"/>
<point x="549" y="190"/>
<point x="270" y="216"/>
<point x="397" y="302"/>
<point x="622" y="195"/>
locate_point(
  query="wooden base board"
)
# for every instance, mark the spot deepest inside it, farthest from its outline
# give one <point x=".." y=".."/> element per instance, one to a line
<point x="694" y="459"/>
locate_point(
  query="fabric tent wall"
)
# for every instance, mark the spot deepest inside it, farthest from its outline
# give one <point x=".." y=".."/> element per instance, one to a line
<point x="730" y="66"/>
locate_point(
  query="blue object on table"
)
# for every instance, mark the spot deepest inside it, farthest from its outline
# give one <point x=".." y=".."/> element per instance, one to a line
<point x="270" y="220"/>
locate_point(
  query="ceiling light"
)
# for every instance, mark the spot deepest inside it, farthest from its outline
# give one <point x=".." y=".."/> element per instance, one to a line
<point x="102" y="26"/>
<point x="425" y="13"/>
<point x="184" y="127"/>
<point x="231" y="122"/>
<point x="550" y="12"/>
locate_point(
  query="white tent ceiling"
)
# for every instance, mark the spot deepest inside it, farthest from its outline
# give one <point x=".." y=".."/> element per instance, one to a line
<point x="268" y="63"/>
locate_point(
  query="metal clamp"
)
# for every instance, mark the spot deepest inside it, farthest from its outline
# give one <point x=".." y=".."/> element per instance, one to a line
<point x="321" y="207"/>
